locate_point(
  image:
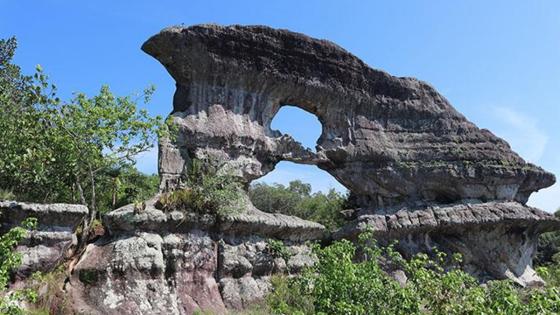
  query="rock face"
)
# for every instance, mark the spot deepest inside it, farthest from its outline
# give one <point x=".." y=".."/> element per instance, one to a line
<point x="497" y="239"/>
<point x="44" y="248"/>
<point x="391" y="141"/>
<point x="172" y="263"/>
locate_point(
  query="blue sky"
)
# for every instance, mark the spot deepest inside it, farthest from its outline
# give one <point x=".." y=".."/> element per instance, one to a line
<point x="496" y="61"/>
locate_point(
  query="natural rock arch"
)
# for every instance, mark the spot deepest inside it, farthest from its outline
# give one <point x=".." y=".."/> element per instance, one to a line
<point x="392" y="141"/>
<point x="421" y="174"/>
<point x="397" y="144"/>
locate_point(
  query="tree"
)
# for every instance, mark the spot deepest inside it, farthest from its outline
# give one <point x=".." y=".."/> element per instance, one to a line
<point x="548" y="246"/>
<point x="127" y="185"/>
<point x="63" y="151"/>
<point x="298" y="200"/>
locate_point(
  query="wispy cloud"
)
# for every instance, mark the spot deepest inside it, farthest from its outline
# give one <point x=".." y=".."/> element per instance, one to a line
<point x="522" y="132"/>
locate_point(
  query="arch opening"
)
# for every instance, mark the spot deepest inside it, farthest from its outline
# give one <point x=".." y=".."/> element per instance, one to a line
<point x="302" y="190"/>
<point x="302" y="125"/>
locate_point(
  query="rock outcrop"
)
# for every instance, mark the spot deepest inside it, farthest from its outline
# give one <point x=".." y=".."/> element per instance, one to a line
<point x="497" y="239"/>
<point x="419" y="171"/>
<point x="155" y="262"/>
<point x="44" y="248"/>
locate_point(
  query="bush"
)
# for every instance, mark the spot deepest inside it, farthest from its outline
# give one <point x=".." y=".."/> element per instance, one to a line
<point x="340" y="283"/>
<point x="6" y="194"/>
<point x="9" y="261"/>
<point x="208" y="190"/>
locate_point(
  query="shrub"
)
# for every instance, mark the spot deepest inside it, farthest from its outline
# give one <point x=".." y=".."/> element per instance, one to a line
<point x="208" y="190"/>
<point x="9" y="261"/>
<point x="6" y="194"/>
<point x="296" y="199"/>
<point x="51" y="297"/>
<point x="278" y="250"/>
<point x="340" y="283"/>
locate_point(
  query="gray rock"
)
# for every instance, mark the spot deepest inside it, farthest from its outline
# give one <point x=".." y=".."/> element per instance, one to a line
<point x="389" y="140"/>
<point x="146" y="273"/>
<point x="242" y="292"/>
<point x="497" y="239"/>
<point x="44" y="248"/>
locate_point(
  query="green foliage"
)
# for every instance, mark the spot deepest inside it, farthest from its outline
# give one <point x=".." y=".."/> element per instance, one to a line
<point x="296" y="199"/>
<point x="65" y="151"/>
<point x="51" y="297"/>
<point x="209" y="189"/>
<point x="6" y="194"/>
<point x="548" y="246"/>
<point x="290" y="296"/>
<point x="125" y="185"/>
<point x="9" y="261"/>
<point x="350" y="280"/>
<point x="551" y="271"/>
<point x="278" y="250"/>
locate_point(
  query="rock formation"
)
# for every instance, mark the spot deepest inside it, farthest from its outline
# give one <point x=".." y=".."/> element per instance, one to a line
<point x="44" y="248"/>
<point x="391" y="141"/>
<point x="420" y="173"/>
<point x="415" y="166"/>
<point x="155" y="262"/>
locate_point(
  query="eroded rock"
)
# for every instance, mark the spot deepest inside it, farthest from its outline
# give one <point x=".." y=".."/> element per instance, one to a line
<point x="419" y="171"/>
<point x="389" y="140"/>
<point x="147" y="273"/>
<point x="497" y="239"/>
<point x="178" y="262"/>
<point x="44" y="248"/>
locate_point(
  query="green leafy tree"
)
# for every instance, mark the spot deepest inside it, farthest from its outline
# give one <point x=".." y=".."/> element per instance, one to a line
<point x="127" y="185"/>
<point x="298" y="200"/>
<point x="63" y="151"/>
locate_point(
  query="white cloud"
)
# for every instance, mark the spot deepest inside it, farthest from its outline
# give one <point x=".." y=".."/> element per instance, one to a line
<point x="522" y="132"/>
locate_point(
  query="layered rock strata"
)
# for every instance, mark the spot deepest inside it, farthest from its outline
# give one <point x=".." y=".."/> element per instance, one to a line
<point x="46" y="246"/>
<point x="155" y="262"/>
<point x="498" y="240"/>
<point x="390" y="140"/>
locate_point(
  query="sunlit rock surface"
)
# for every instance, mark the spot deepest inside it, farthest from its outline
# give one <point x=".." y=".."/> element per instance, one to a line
<point x="418" y="171"/>
<point x="46" y="246"/>
<point x="389" y="140"/>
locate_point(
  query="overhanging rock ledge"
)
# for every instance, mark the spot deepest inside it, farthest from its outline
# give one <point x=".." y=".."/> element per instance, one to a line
<point x="419" y="171"/>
